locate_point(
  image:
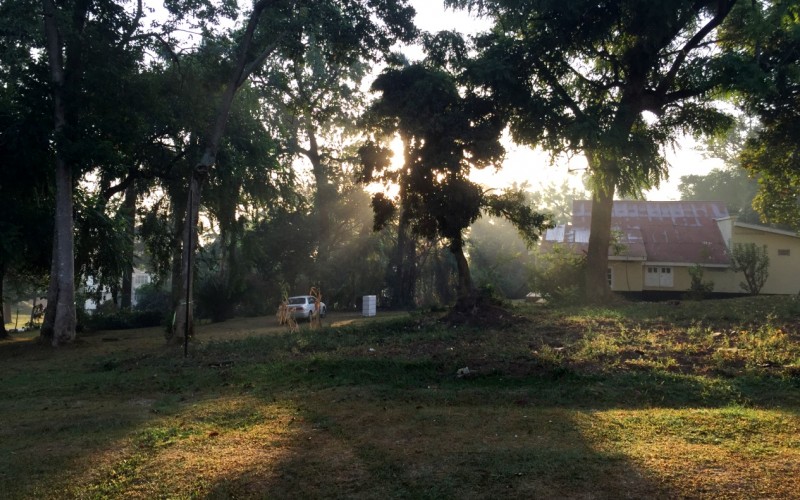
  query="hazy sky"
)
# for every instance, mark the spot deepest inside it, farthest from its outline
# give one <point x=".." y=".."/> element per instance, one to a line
<point x="523" y="164"/>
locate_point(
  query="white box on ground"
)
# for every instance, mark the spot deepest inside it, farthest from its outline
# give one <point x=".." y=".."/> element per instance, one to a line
<point x="370" y="302"/>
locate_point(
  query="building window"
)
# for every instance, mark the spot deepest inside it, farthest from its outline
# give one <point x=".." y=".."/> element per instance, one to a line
<point x="783" y="252"/>
<point x="610" y="277"/>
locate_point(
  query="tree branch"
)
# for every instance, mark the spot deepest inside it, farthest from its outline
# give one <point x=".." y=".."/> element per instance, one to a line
<point x="682" y="94"/>
<point x="554" y="84"/>
<point x="162" y="41"/>
<point x="122" y="186"/>
<point x="239" y="75"/>
<point x="258" y="61"/>
<point x="127" y="37"/>
<point x="724" y="9"/>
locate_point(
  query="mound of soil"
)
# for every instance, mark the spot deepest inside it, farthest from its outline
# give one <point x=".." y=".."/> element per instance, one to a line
<point x="482" y="312"/>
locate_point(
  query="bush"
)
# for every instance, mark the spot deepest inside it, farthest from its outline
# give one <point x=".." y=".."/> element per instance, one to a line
<point x="698" y="290"/>
<point x="753" y="261"/>
<point x="560" y="275"/>
<point x="107" y="307"/>
<point x="122" y="320"/>
<point x="260" y="297"/>
<point x="152" y="309"/>
<point x="152" y="297"/>
<point x="215" y="299"/>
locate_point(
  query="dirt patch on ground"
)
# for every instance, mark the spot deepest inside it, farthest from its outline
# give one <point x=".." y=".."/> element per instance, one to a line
<point x="483" y="314"/>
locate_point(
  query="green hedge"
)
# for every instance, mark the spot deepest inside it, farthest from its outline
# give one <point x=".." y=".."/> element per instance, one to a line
<point x="122" y="320"/>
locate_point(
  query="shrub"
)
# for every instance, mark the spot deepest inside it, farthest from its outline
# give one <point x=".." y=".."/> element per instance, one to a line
<point x="698" y="289"/>
<point x="260" y="296"/>
<point x="560" y="275"/>
<point x="152" y="297"/>
<point x="214" y="299"/>
<point x="107" y="307"/>
<point x="152" y="309"/>
<point x="122" y="320"/>
<point x="753" y="261"/>
<point x="219" y="298"/>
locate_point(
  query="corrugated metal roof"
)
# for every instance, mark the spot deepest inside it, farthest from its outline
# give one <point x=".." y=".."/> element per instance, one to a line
<point x="658" y="231"/>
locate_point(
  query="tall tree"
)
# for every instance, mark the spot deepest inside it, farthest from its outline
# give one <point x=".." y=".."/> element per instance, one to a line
<point x="60" y="322"/>
<point x="311" y="100"/>
<point x="768" y="33"/>
<point x="732" y="183"/>
<point x="734" y="186"/>
<point x="368" y="27"/>
<point x="77" y="35"/>
<point x="557" y="199"/>
<point x="26" y="196"/>
<point x="128" y="212"/>
<point x="421" y="105"/>
<point x="446" y="131"/>
<point x="612" y="80"/>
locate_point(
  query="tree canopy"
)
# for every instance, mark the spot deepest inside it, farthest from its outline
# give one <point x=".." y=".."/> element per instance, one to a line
<point x="446" y="132"/>
<point x="768" y="34"/>
<point x="610" y="80"/>
<point x="732" y="183"/>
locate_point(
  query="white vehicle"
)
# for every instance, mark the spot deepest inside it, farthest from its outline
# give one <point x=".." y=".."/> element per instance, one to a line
<point x="303" y="306"/>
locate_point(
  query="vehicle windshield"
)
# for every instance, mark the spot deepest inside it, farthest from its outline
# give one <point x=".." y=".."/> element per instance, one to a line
<point x="297" y="300"/>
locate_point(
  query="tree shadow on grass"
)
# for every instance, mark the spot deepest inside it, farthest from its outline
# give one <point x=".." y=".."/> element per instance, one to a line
<point x="396" y="449"/>
<point x="555" y="387"/>
<point x="360" y="427"/>
<point x="384" y="428"/>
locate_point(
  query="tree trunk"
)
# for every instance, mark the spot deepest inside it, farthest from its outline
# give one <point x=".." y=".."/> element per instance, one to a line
<point x="3" y="332"/>
<point x="403" y="267"/>
<point x="597" y="290"/>
<point x="395" y="272"/>
<point x="183" y="324"/>
<point x="65" y="315"/>
<point x="230" y="271"/>
<point x="321" y="216"/>
<point x="177" y="214"/>
<point x="466" y="290"/>
<point x="409" y="270"/>
<point x="49" y="321"/>
<point x="129" y="211"/>
<point x="64" y="321"/>
<point x="183" y="312"/>
<point x="325" y="195"/>
<point x="33" y="312"/>
<point x="240" y="74"/>
<point x="404" y="262"/>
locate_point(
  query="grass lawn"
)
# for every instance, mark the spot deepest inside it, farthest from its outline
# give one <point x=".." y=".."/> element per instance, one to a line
<point x="696" y="400"/>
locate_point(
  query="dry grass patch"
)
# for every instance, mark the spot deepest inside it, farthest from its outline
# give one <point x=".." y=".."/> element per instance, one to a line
<point x="716" y="453"/>
<point x="192" y="451"/>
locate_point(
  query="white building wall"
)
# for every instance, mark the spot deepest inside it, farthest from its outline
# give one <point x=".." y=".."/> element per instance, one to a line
<point x="139" y="278"/>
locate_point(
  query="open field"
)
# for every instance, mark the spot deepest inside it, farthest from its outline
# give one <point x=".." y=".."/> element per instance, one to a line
<point x="695" y="400"/>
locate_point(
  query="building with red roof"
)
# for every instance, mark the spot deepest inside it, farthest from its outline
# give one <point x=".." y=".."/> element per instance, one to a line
<point x="654" y="243"/>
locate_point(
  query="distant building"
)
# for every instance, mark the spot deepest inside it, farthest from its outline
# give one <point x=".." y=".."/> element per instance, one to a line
<point x="656" y="242"/>
<point x="139" y="278"/>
